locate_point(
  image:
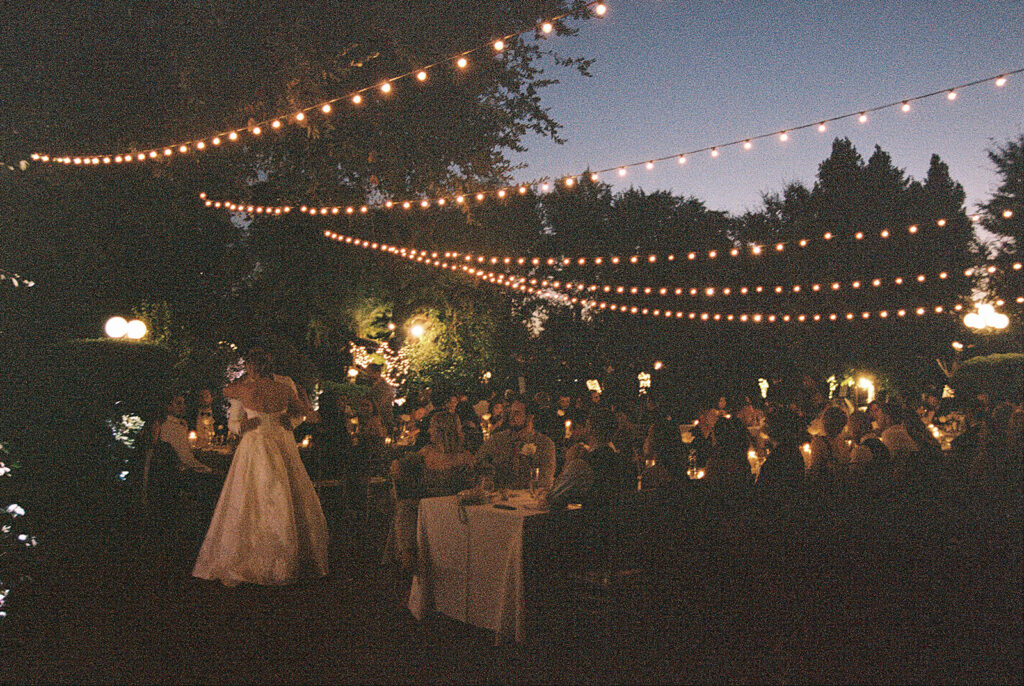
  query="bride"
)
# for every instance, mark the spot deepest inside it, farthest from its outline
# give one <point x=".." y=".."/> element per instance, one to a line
<point x="268" y="527"/>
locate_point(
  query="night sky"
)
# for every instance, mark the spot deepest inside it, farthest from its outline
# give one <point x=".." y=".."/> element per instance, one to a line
<point x="675" y="76"/>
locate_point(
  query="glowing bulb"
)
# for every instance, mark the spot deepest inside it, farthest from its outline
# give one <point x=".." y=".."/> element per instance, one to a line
<point x="201" y="145"/>
<point x="747" y="145"/>
<point x="569" y="181"/>
<point x="462" y="63"/>
<point x="301" y="116"/>
<point x="326" y="108"/>
<point x="480" y="197"/>
<point x="547" y="27"/>
<point x="152" y="154"/>
<point x="357" y="99"/>
<point x="216" y="140"/>
<point x="181" y="148"/>
<point x="1001" y="81"/>
<point x="501" y="193"/>
<point x="622" y="171"/>
<point x="783" y="136"/>
<point x="276" y="124"/>
<point x="421" y="75"/>
<point x="600" y="9"/>
<point x="499" y="45"/>
<point x="682" y="159"/>
<point x="136" y="330"/>
<point x="116" y="327"/>
<point x="593" y="177"/>
<point x="822" y="128"/>
<point x="714" y="152"/>
<point x="863" y="117"/>
<point x="233" y="136"/>
<point x="951" y="95"/>
<point x="256" y="130"/>
<point x="905" y="107"/>
<point x="1007" y="214"/>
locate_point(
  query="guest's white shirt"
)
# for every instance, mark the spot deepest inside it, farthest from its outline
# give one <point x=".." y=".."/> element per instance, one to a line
<point x="174" y="432"/>
<point x="236" y="412"/>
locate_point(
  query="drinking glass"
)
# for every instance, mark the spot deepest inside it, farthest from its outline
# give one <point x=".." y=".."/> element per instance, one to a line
<point x="534" y="481"/>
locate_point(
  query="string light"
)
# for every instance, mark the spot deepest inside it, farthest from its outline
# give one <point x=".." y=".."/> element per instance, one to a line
<point x="598" y="9"/>
<point x="680" y="290"/>
<point x="425" y="203"/>
<point x="519" y="284"/>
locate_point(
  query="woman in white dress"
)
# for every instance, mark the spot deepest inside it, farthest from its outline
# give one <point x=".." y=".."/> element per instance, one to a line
<point x="268" y="527"/>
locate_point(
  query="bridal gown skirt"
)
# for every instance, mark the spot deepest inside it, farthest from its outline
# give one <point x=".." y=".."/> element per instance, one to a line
<point x="268" y="527"/>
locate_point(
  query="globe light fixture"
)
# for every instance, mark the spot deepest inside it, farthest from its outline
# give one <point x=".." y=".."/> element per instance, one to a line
<point x="136" y="329"/>
<point x="116" y="327"/>
<point x="986" y="317"/>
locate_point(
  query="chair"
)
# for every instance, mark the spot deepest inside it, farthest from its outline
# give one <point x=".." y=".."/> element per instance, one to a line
<point x="604" y="568"/>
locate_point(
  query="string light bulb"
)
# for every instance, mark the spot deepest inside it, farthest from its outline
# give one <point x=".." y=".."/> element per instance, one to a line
<point x="905" y="106"/>
<point x="326" y="108"/>
<point x="499" y="45"/>
<point x="951" y="95"/>
<point x="421" y="75"/>
<point x="863" y="118"/>
<point x="462" y="63"/>
<point x="1001" y="81"/>
<point x="357" y="99"/>
<point x="600" y="9"/>
<point x="547" y="27"/>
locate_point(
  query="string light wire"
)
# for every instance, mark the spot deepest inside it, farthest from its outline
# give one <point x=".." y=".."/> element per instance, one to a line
<point x="548" y="184"/>
<point x="326" y="107"/>
<point x="435" y="259"/>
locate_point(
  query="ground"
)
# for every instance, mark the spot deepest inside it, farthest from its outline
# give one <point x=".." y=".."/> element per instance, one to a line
<point x="120" y="606"/>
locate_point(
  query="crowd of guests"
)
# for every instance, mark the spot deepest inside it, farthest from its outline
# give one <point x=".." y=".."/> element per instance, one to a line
<point x="782" y="452"/>
<point x="789" y="448"/>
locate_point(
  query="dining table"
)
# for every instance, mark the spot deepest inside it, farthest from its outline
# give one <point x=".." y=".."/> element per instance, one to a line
<point x="471" y="560"/>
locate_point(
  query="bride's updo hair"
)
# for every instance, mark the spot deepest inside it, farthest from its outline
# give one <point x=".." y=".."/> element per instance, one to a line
<point x="260" y="361"/>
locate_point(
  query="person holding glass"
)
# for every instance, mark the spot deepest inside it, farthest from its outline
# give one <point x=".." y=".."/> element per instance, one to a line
<point x="442" y="467"/>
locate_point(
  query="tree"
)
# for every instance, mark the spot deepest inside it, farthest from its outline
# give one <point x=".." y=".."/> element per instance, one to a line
<point x="1003" y="215"/>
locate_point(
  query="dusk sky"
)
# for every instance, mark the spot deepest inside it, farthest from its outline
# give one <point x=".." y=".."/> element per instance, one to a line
<point x="676" y="76"/>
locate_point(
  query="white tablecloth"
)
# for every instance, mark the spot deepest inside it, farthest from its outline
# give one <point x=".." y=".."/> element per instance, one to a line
<point x="472" y="563"/>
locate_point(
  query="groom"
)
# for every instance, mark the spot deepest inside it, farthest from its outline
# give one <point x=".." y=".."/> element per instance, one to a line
<point x="239" y="422"/>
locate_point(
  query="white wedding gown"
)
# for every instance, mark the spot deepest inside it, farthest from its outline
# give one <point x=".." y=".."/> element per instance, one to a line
<point x="268" y="527"/>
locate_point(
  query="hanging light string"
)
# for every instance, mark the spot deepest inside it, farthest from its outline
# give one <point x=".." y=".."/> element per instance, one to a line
<point x="710" y="291"/>
<point x="509" y="281"/>
<point x="821" y="125"/>
<point x="325" y="108"/>
<point x="15" y="280"/>
<point x="546" y="185"/>
<point x="755" y="249"/>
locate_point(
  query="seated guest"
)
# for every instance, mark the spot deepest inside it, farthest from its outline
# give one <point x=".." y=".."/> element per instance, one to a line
<point x="442" y="467"/>
<point x="870" y="461"/>
<point x="594" y="471"/>
<point x="512" y="452"/>
<point x="703" y="440"/>
<point x="892" y="430"/>
<point x="967" y="446"/>
<point x="782" y="474"/>
<point x="174" y="432"/>
<point x="665" y="447"/>
<point x="728" y="469"/>
<point x="829" y="454"/>
<point x="470" y="423"/>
